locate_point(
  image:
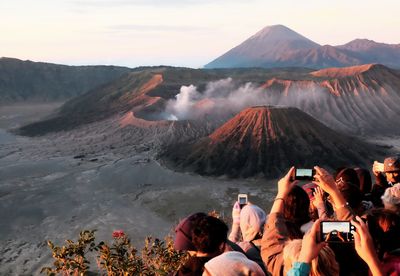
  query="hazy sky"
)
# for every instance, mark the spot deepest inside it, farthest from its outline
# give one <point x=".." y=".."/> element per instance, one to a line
<point x="178" y="32"/>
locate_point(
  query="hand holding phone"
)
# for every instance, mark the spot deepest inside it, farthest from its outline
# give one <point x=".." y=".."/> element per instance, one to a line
<point x="378" y="167"/>
<point x="336" y="231"/>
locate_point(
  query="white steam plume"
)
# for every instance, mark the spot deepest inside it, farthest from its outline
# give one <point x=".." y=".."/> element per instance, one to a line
<point x="225" y="97"/>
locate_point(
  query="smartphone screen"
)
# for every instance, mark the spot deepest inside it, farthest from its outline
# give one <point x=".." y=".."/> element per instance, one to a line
<point x="242" y="199"/>
<point x="304" y="174"/>
<point x="336" y="231"/>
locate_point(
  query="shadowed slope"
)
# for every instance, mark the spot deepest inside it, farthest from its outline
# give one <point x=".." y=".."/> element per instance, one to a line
<point x="44" y="82"/>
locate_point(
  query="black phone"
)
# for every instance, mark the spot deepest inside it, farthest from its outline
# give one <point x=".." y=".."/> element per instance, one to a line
<point x="304" y="174"/>
<point x="336" y="231"/>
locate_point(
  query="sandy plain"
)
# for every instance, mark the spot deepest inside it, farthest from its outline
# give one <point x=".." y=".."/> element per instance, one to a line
<point x="46" y="192"/>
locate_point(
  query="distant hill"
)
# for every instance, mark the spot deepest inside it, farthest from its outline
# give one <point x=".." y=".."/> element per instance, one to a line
<point x="369" y="51"/>
<point x="279" y="46"/>
<point x="144" y="91"/>
<point x="38" y="81"/>
<point x="268" y="141"/>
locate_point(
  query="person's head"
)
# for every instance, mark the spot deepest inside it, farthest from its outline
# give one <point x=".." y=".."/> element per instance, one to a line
<point x="183" y="232"/>
<point x="252" y="220"/>
<point x="349" y="185"/>
<point x="384" y="227"/>
<point x="391" y="198"/>
<point x="352" y="195"/>
<point x="232" y="263"/>
<point x="365" y="180"/>
<point x="209" y="235"/>
<point x="345" y="177"/>
<point x="391" y="167"/>
<point x="324" y="264"/>
<point x="297" y="205"/>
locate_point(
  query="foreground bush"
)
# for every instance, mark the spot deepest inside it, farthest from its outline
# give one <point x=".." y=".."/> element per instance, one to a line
<point x="157" y="257"/>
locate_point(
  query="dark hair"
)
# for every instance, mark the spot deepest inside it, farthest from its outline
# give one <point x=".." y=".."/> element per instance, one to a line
<point x="352" y="195"/>
<point x="296" y="209"/>
<point x="208" y="234"/>
<point x="365" y="180"/>
<point x="346" y="176"/>
<point x="384" y="227"/>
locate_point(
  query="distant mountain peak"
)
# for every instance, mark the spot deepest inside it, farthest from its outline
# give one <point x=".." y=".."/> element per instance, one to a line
<point x="278" y="32"/>
<point x="263" y="48"/>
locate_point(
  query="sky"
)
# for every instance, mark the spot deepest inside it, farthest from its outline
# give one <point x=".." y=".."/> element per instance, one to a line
<point x="187" y="33"/>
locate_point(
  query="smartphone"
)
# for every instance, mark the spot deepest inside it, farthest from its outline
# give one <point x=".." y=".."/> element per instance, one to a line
<point x="336" y="231"/>
<point x="242" y="199"/>
<point x="304" y="174"/>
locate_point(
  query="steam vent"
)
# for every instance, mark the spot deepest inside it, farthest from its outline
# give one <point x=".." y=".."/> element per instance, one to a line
<point x="268" y="141"/>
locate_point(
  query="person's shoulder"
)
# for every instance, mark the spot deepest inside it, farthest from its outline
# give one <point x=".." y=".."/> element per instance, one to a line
<point x="245" y="245"/>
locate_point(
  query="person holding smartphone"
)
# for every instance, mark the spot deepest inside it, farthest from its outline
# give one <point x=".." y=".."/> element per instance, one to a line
<point x="387" y="174"/>
<point x="291" y="203"/>
<point x="247" y="228"/>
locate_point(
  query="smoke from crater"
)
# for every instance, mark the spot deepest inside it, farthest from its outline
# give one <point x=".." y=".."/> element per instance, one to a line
<point x="227" y="97"/>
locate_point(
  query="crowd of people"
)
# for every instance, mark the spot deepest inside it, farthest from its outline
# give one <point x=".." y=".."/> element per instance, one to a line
<point x="290" y="239"/>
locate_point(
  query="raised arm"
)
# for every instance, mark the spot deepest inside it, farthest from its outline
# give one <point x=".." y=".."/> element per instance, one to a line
<point x="235" y="231"/>
<point x="365" y="247"/>
<point x="275" y="230"/>
<point x="327" y="183"/>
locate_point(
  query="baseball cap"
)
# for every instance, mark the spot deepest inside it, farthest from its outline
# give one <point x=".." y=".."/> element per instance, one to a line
<point x="183" y="232"/>
<point x="391" y="164"/>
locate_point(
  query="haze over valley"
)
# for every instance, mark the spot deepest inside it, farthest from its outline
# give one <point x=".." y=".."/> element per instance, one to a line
<point x="109" y="147"/>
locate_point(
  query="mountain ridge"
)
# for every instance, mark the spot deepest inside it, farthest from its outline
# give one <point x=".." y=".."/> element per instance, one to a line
<point x="279" y="50"/>
<point x="44" y="82"/>
<point x="360" y="100"/>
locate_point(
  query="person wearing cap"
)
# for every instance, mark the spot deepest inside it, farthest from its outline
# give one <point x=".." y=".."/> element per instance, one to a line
<point x="385" y="177"/>
<point x="247" y="229"/>
<point x="203" y="237"/>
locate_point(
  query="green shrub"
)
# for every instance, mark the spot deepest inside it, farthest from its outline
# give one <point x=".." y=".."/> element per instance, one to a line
<point x="70" y="259"/>
<point x="157" y="257"/>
